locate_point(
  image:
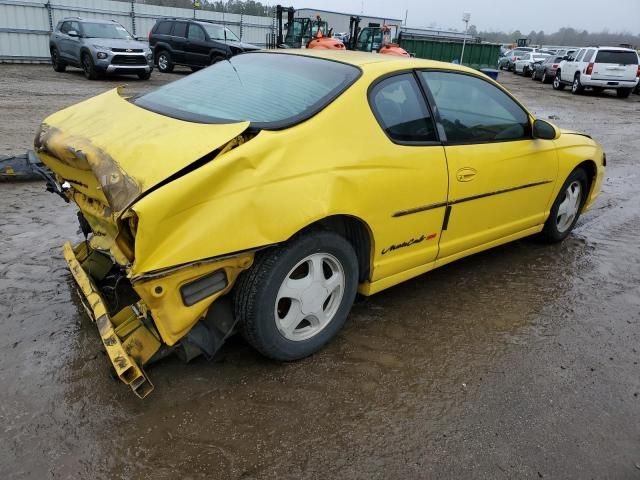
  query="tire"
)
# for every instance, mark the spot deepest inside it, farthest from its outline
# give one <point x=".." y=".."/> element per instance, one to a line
<point x="164" y="61"/>
<point x="623" y="92"/>
<point x="557" y="83"/>
<point x="534" y="75"/>
<point x="525" y="72"/>
<point x="144" y="76"/>
<point x="88" y="67"/>
<point x="559" y="225"/>
<point x="544" y="78"/>
<point x="58" y="64"/>
<point x="576" y="86"/>
<point x="215" y="59"/>
<point x="262" y="306"/>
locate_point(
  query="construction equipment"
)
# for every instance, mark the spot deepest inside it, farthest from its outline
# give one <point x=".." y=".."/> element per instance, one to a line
<point x="322" y="42"/>
<point x="301" y="31"/>
<point x="373" y="39"/>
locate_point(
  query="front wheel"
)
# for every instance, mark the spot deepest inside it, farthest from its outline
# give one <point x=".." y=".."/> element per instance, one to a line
<point x="566" y="208"/>
<point x="544" y="78"/>
<point x="297" y="296"/>
<point x="88" y="67"/>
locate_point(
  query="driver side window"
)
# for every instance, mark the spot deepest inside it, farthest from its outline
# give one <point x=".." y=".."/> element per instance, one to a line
<point x="196" y="33"/>
<point x="473" y="110"/>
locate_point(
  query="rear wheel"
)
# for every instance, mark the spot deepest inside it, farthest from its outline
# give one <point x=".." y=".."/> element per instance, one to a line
<point x="623" y="92"/>
<point x="88" y="67"/>
<point x="557" y="83"/>
<point x="297" y="296"/>
<point x="576" y="86"/>
<point x="165" y="63"/>
<point x="215" y="59"/>
<point x="58" y="64"/>
<point x="566" y="208"/>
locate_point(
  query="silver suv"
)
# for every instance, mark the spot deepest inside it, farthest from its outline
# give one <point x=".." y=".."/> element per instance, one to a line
<point x="98" y="47"/>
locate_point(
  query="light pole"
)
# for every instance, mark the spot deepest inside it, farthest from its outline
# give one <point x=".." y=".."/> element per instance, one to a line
<point x="466" y="16"/>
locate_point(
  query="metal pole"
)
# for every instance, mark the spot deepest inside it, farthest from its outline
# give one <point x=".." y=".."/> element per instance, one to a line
<point x="464" y="41"/>
<point x="50" y="14"/>
<point x="133" y="17"/>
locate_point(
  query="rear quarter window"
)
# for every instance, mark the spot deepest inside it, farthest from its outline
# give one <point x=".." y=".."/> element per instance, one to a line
<point x="619" y="57"/>
<point x="163" y="28"/>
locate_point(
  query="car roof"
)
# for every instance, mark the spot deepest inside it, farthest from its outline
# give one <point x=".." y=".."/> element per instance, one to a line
<point x="89" y="20"/>
<point x="362" y="59"/>
<point x="620" y="49"/>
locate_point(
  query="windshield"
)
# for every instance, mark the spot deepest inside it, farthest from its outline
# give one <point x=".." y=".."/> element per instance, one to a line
<point x="268" y="89"/>
<point x="105" y="30"/>
<point x="217" y="32"/>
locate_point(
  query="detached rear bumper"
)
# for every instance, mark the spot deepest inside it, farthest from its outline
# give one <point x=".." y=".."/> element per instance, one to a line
<point x="125" y="366"/>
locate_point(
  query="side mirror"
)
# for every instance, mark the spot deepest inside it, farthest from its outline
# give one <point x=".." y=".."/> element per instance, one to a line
<point x="73" y="33"/>
<point x="545" y="130"/>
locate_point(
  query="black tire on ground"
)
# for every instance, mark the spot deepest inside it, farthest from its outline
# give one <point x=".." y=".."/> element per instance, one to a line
<point x="215" y="59"/>
<point x="164" y="61"/>
<point x="623" y="92"/>
<point x="545" y="78"/>
<point x="534" y="75"/>
<point x="88" y="67"/>
<point x="144" y="75"/>
<point x="257" y="290"/>
<point x="557" y="83"/>
<point x="58" y="64"/>
<point x="550" y="233"/>
<point x="576" y="87"/>
<point x="526" y="72"/>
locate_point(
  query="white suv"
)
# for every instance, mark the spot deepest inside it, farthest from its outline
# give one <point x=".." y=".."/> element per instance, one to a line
<point x="599" y="68"/>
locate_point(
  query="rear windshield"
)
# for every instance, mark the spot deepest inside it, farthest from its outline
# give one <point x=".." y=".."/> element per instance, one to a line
<point x="270" y="90"/>
<point x="620" y="57"/>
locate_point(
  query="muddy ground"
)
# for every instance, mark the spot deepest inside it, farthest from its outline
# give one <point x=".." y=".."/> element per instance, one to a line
<point x="521" y="362"/>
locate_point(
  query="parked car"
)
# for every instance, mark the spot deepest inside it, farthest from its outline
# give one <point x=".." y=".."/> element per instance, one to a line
<point x="193" y="43"/>
<point x="503" y="61"/>
<point x="201" y="198"/>
<point x="527" y="61"/>
<point x="98" y="47"/>
<point x="600" y="68"/>
<point x="515" y="55"/>
<point x="566" y="52"/>
<point x="546" y="69"/>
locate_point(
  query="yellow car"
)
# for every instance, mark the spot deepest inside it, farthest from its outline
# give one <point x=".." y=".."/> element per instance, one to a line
<point x="262" y="193"/>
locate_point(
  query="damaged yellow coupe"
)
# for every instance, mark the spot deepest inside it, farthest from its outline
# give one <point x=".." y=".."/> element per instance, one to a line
<point x="262" y="193"/>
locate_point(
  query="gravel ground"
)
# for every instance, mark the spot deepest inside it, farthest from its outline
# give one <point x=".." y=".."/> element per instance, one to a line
<point x="520" y="362"/>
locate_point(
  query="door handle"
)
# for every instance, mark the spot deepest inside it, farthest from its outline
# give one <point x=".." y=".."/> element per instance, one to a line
<point x="466" y="174"/>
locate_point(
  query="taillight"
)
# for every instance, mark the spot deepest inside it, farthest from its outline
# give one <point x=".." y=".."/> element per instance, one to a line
<point x="589" y="69"/>
<point x="149" y="35"/>
<point x="554" y="66"/>
<point x="638" y="72"/>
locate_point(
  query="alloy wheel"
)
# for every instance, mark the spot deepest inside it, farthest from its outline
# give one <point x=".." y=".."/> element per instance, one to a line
<point x="309" y="297"/>
<point x="163" y="62"/>
<point x="569" y="207"/>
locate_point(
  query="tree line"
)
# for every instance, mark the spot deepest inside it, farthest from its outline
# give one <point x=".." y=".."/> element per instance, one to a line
<point x="247" y="7"/>
<point x="564" y="36"/>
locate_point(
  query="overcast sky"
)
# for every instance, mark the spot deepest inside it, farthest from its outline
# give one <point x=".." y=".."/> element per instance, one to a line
<point x="505" y="15"/>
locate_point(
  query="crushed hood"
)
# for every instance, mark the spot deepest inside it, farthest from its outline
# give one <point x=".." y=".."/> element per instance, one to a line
<point x="113" y="151"/>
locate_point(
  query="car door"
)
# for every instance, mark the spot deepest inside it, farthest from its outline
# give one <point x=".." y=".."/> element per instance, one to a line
<point x="197" y="50"/>
<point x="410" y="177"/>
<point x="179" y="42"/>
<point x="74" y="41"/>
<point x="64" y="41"/>
<point x="571" y="66"/>
<point x="500" y="178"/>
